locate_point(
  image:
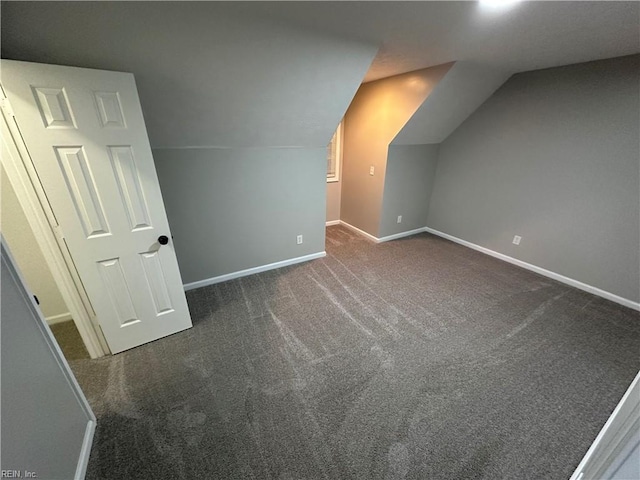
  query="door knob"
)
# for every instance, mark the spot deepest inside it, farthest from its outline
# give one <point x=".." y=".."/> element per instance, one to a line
<point x="163" y="239"/>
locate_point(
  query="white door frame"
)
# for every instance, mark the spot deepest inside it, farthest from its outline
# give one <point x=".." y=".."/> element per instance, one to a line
<point x="26" y="183"/>
<point x="615" y="441"/>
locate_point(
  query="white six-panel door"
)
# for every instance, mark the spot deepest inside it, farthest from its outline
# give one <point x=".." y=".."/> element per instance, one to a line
<point x="86" y="136"/>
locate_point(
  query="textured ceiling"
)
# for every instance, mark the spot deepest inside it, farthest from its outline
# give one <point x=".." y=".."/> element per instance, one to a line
<point x="414" y="35"/>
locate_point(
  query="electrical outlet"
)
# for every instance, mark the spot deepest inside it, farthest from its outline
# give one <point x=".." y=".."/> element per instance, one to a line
<point x="299" y="239"/>
<point x="516" y="239"/>
<point x="399" y="218"/>
<point x="371" y="170"/>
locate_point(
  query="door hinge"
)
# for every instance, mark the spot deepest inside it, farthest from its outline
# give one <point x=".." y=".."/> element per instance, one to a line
<point x="57" y="230"/>
<point x="6" y="106"/>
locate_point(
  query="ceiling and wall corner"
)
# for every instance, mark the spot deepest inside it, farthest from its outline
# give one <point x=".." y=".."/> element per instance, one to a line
<point x="413" y="35"/>
<point x="205" y="76"/>
<point x="231" y="64"/>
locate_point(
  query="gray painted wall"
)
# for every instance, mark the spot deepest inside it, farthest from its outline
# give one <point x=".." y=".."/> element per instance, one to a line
<point x="407" y="187"/>
<point x="627" y="465"/>
<point x="232" y="209"/>
<point x="552" y="156"/>
<point x="43" y="422"/>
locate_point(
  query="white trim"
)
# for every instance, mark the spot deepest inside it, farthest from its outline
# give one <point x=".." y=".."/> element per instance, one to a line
<point x="547" y="273"/>
<point x="85" y="450"/>
<point x="528" y="266"/>
<point x="332" y="222"/>
<point x="395" y="236"/>
<point x="610" y="441"/>
<point x="63" y="317"/>
<point x="17" y="162"/>
<point x="338" y="160"/>
<point x="251" y="271"/>
<point x="361" y="232"/>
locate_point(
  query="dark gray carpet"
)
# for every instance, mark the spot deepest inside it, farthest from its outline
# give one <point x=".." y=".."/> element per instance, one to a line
<point x="69" y="340"/>
<point x="416" y="359"/>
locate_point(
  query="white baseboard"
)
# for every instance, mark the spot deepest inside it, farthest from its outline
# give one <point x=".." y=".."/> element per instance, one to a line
<point x="251" y="271"/>
<point x="361" y="232"/>
<point x="85" y="450"/>
<point x="332" y="222"/>
<point x="395" y="236"/>
<point x="547" y="273"/>
<point x="614" y="438"/>
<point x="528" y="266"/>
<point x="63" y="317"/>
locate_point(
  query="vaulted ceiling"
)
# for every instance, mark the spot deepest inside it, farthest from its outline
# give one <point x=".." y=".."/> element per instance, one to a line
<point x="283" y="73"/>
<point x="528" y="35"/>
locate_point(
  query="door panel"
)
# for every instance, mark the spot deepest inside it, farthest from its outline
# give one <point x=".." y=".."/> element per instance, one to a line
<point x="109" y="109"/>
<point x="54" y="107"/>
<point x="156" y="280"/>
<point x="86" y="135"/>
<point x="84" y="193"/>
<point x="130" y="187"/>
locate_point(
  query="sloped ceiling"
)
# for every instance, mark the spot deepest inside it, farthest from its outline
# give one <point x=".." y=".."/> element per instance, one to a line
<point x="381" y="109"/>
<point x="463" y="89"/>
<point x="525" y="36"/>
<point x="283" y="73"/>
<point x="205" y="77"/>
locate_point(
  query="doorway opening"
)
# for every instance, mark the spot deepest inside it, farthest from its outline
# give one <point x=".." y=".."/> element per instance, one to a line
<point x="37" y="274"/>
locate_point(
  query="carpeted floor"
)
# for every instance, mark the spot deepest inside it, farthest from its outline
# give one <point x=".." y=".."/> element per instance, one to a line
<point x="70" y="341"/>
<point x="412" y="359"/>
